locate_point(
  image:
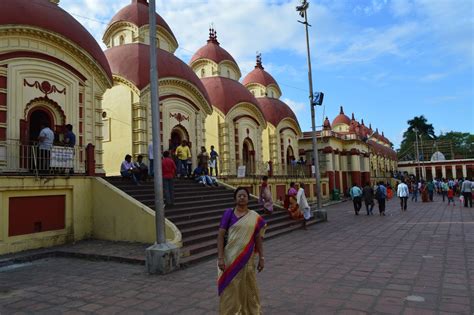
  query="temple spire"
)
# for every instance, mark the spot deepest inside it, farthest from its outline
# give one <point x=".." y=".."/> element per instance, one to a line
<point x="259" y="61"/>
<point x="342" y="111"/>
<point x="212" y="35"/>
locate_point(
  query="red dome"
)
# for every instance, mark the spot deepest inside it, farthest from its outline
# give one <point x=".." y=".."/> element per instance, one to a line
<point x="48" y="16"/>
<point x="259" y="75"/>
<point x="212" y="51"/>
<point x="132" y="61"/>
<point x="275" y="110"/>
<point x="341" y="118"/>
<point x="137" y="13"/>
<point x="226" y="93"/>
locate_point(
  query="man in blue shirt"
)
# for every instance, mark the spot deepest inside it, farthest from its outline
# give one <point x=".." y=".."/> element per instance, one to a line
<point x="356" y="194"/>
<point x="69" y="137"/>
<point x="213" y="161"/>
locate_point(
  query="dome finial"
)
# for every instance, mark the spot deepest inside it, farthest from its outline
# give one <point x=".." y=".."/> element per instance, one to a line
<point x="259" y="61"/>
<point x="353" y="116"/>
<point x="342" y="111"/>
<point x="212" y="35"/>
<point x="362" y="122"/>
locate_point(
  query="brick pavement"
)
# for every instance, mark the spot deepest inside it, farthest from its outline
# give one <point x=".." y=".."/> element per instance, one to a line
<point x="418" y="262"/>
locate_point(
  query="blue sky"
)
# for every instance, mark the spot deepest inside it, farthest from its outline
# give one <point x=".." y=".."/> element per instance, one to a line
<point x="386" y="61"/>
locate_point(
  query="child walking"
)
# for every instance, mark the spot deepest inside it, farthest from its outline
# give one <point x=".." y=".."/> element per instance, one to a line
<point x="450" y="196"/>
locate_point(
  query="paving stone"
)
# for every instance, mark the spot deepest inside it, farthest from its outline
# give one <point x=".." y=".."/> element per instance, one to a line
<point x="349" y="265"/>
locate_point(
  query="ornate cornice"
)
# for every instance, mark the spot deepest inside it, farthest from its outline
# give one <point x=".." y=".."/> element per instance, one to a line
<point x="72" y="48"/>
<point x="250" y="107"/>
<point x="121" y="80"/>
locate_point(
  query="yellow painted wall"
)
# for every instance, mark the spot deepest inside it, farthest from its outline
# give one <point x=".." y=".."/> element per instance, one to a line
<point x="117" y="104"/>
<point x="212" y="131"/>
<point x="119" y="217"/>
<point x="94" y="208"/>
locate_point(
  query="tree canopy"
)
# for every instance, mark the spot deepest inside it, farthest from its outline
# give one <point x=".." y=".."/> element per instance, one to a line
<point x="453" y="144"/>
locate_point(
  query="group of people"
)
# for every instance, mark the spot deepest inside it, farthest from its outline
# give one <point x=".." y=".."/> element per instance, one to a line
<point x="46" y="139"/>
<point x="180" y="167"/>
<point x="369" y="194"/>
<point x="448" y="189"/>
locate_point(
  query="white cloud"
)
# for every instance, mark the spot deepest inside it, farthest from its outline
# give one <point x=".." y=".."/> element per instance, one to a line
<point x="297" y="107"/>
<point x="374" y="7"/>
<point x="401" y="8"/>
<point x="433" y="77"/>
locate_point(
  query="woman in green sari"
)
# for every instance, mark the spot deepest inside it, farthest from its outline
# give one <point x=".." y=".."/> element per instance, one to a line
<point x="237" y="281"/>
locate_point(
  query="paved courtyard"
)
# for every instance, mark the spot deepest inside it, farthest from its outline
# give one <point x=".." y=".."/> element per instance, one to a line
<point x="418" y="262"/>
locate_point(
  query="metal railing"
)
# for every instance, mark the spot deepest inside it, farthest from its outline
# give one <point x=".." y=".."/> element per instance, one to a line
<point x="232" y="167"/>
<point x="17" y="157"/>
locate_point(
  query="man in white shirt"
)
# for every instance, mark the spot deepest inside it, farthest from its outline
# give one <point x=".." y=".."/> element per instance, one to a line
<point x="45" y="144"/>
<point x="303" y="204"/>
<point x="128" y="169"/>
<point x="466" y="191"/>
<point x="403" y="193"/>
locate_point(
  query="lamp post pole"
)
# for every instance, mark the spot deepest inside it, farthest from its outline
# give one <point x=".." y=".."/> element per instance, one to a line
<point x="303" y="12"/>
<point x="417" y="152"/>
<point x="155" y="118"/>
<point x="162" y="257"/>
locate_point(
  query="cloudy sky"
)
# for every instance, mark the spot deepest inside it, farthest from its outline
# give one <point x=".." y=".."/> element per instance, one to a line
<point x="385" y="60"/>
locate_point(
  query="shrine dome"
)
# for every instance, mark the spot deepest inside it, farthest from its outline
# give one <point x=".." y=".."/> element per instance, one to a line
<point x="213" y="51"/>
<point x="225" y="93"/>
<point x="260" y="76"/>
<point x="137" y="14"/>
<point x="275" y="110"/>
<point x="132" y="62"/>
<point x="45" y="14"/>
<point x="341" y="118"/>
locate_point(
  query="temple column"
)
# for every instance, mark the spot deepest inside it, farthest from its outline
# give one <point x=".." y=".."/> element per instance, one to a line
<point x="453" y="168"/>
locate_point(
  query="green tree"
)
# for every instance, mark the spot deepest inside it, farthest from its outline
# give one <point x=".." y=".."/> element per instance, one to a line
<point x="424" y="130"/>
<point x="461" y="144"/>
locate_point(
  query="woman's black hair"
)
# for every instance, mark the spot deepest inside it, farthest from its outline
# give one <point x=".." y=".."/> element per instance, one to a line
<point x="292" y="184"/>
<point x="265" y="177"/>
<point x="238" y="189"/>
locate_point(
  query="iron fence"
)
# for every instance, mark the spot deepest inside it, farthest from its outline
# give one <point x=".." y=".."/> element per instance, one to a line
<point x="17" y="157"/>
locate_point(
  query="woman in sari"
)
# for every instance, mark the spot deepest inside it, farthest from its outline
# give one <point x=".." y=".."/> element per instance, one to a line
<point x="293" y="207"/>
<point x="237" y="281"/>
<point x="266" y="196"/>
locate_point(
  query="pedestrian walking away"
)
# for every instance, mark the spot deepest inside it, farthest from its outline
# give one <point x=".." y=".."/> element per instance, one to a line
<point x="403" y="193"/>
<point x="381" y="195"/>
<point x="368" y="196"/>
<point x="466" y="191"/>
<point x="237" y="281"/>
<point x="451" y="196"/>
<point x="356" y="195"/>
<point x="169" y="171"/>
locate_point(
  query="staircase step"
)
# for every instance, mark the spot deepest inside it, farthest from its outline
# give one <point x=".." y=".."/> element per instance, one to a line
<point x="197" y="212"/>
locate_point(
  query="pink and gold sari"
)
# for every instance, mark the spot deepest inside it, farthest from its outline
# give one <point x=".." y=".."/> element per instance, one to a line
<point x="237" y="284"/>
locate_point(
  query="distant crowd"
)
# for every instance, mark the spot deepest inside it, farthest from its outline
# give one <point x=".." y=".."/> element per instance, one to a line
<point x="409" y="187"/>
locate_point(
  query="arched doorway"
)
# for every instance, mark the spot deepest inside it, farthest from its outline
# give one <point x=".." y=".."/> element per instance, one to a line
<point x="178" y="134"/>
<point x="248" y="156"/>
<point x="290" y="161"/>
<point x="35" y="119"/>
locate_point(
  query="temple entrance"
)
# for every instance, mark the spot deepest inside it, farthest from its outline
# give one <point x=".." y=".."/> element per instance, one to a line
<point x="178" y="134"/>
<point x="36" y="118"/>
<point x="248" y="156"/>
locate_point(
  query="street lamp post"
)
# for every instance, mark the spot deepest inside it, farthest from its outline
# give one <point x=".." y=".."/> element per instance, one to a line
<point x="162" y="257"/>
<point x="302" y="9"/>
<point x="417" y="152"/>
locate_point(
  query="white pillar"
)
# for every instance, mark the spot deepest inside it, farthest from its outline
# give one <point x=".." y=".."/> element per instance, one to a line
<point x="464" y="171"/>
<point x="443" y="171"/>
<point x="453" y="167"/>
<point x="433" y="172"/>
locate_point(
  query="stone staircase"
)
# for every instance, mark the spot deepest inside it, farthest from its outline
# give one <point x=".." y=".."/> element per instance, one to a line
<point x="197" y="212"/>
